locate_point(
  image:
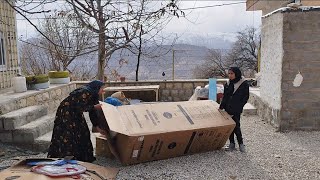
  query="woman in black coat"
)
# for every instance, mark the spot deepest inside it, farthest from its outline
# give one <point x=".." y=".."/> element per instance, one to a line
<point x="71" y="135"/>
<point x="236" y="95"/>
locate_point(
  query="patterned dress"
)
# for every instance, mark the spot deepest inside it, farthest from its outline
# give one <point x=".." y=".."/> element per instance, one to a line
<point x="71" y="135"/>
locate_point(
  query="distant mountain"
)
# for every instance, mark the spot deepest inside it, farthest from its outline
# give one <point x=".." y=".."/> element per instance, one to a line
<point x="184" y="58"/>
<point x="212" y="41"/>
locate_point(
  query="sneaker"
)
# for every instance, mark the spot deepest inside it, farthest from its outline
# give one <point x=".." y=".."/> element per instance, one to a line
<point x="231" y="147"/>
<point x="242" y="148"/>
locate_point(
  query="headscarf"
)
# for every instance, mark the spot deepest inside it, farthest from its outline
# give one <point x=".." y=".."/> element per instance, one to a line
<point x="94" y="86"/>
<point x="238" y="75"/>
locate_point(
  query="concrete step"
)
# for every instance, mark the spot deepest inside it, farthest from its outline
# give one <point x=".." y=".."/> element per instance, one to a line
<point x="249" y="109"/>
<point x="42" y="143"/>
<point x="20" y="117"/>
<point x="29" y="132"/>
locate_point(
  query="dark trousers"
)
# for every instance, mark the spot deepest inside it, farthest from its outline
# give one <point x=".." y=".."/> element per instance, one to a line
<point x="236" y="130"/>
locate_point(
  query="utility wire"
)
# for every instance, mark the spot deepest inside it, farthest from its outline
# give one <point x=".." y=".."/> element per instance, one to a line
<point x="192" y="8"/>
<point x="218" y="5"/>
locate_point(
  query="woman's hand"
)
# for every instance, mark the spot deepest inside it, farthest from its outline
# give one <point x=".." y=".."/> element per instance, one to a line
<point x="96" y="129"/>
<point x="98" y="106"/>
<point x="101" y="131"/>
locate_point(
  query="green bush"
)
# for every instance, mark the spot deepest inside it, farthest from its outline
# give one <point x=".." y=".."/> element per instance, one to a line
<point x="37" y="79"/>
<point x="58" y="74"/>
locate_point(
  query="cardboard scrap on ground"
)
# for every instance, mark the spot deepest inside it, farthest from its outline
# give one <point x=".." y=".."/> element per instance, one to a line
<point x="22" y="171"/>
<point x="150" y="132"/>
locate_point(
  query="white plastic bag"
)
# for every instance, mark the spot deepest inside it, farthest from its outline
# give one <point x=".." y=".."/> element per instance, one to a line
<point x="57" y="171"/>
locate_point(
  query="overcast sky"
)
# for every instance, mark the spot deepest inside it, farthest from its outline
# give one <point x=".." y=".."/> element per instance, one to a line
<point x="213" y="21"/>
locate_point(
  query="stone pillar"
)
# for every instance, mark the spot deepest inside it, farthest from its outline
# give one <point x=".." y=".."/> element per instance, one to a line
<point x="291" y="44"/>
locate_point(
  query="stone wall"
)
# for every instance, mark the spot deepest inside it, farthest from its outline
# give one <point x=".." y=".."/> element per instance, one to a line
<point x="265" y="111"/>
<point x="178" y="90"/>
<point x="8" y="33"/>
<point x="50" y="97"/>
<point x="267" y="6"/>
<point x="291" y="44"/>
<point x="301" y="45"/>
<point x="271" y="67"/>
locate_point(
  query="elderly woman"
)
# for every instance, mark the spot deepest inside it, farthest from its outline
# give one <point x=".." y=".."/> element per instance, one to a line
<point x="71" y="135"/>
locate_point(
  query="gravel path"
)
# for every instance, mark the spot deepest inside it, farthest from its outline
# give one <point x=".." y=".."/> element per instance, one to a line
<point x="270" y="155"/>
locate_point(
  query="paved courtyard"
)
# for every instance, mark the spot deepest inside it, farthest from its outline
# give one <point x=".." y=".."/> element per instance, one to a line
<point x="270" y="155"/>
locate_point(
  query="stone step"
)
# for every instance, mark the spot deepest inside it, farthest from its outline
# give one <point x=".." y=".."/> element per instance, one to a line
<point x="42" y="143"/>
<point x="249" y="109"/>
<point x="29" y="132"/>
<point x="20" y="117"/>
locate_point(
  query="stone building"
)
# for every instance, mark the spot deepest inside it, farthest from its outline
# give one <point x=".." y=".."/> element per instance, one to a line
<point x="9" y="63"/>
<point x="290" y="52"/>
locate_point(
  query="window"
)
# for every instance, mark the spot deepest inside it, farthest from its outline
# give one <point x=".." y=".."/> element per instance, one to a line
<point x="2" y="53"/>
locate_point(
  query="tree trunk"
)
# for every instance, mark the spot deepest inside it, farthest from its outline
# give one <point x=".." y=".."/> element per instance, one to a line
<point x="101" y="56"/>
<point x="139" y="54"/>
<point x="101" y="43"/>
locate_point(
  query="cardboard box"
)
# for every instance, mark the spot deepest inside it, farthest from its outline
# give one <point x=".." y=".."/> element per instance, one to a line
<point x="21" y="171"/>
<point x="102" y="147"/>
<point x="148" y="132"/>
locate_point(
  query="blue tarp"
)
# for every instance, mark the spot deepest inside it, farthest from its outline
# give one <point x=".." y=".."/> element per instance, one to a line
<point x="113" y="101"/>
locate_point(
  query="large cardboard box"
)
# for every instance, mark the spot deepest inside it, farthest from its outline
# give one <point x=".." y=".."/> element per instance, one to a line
<point x="21" y="171"/>
<point x="148" y="132"/>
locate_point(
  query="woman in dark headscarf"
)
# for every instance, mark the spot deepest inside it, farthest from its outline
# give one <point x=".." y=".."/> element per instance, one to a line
<point x="71" y="135"/>
<point x="236" y="95"/>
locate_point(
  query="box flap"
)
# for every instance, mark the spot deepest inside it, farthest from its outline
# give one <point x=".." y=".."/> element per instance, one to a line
<point x="158" y="118"/>
<point x="113" y="118"/>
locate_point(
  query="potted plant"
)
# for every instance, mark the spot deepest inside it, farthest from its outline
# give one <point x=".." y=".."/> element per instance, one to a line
<point x="59" y="77"/>
<point x="37" y="82"/>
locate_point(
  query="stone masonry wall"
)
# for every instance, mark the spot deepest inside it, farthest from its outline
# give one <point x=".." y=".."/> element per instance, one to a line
<point x="50" y="97"/>
<point x="301" y="44"/>
<point x="271" y="66"/>
<point x="179" y="90"/>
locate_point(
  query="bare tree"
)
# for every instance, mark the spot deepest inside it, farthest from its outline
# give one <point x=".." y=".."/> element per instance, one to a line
<point x="33" y="60"/>
<point x="244" y="52"/>
<point x="69" y="42"/>
<point x="216" y="63"/>
<point x="150" y="46"/>
<point x="25" y="8"/>
<point x="70" y="39"/>
<point x="116" y="23"/>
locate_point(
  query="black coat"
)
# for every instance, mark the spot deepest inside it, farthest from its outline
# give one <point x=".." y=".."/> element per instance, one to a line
<point x="233" y="104"/>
